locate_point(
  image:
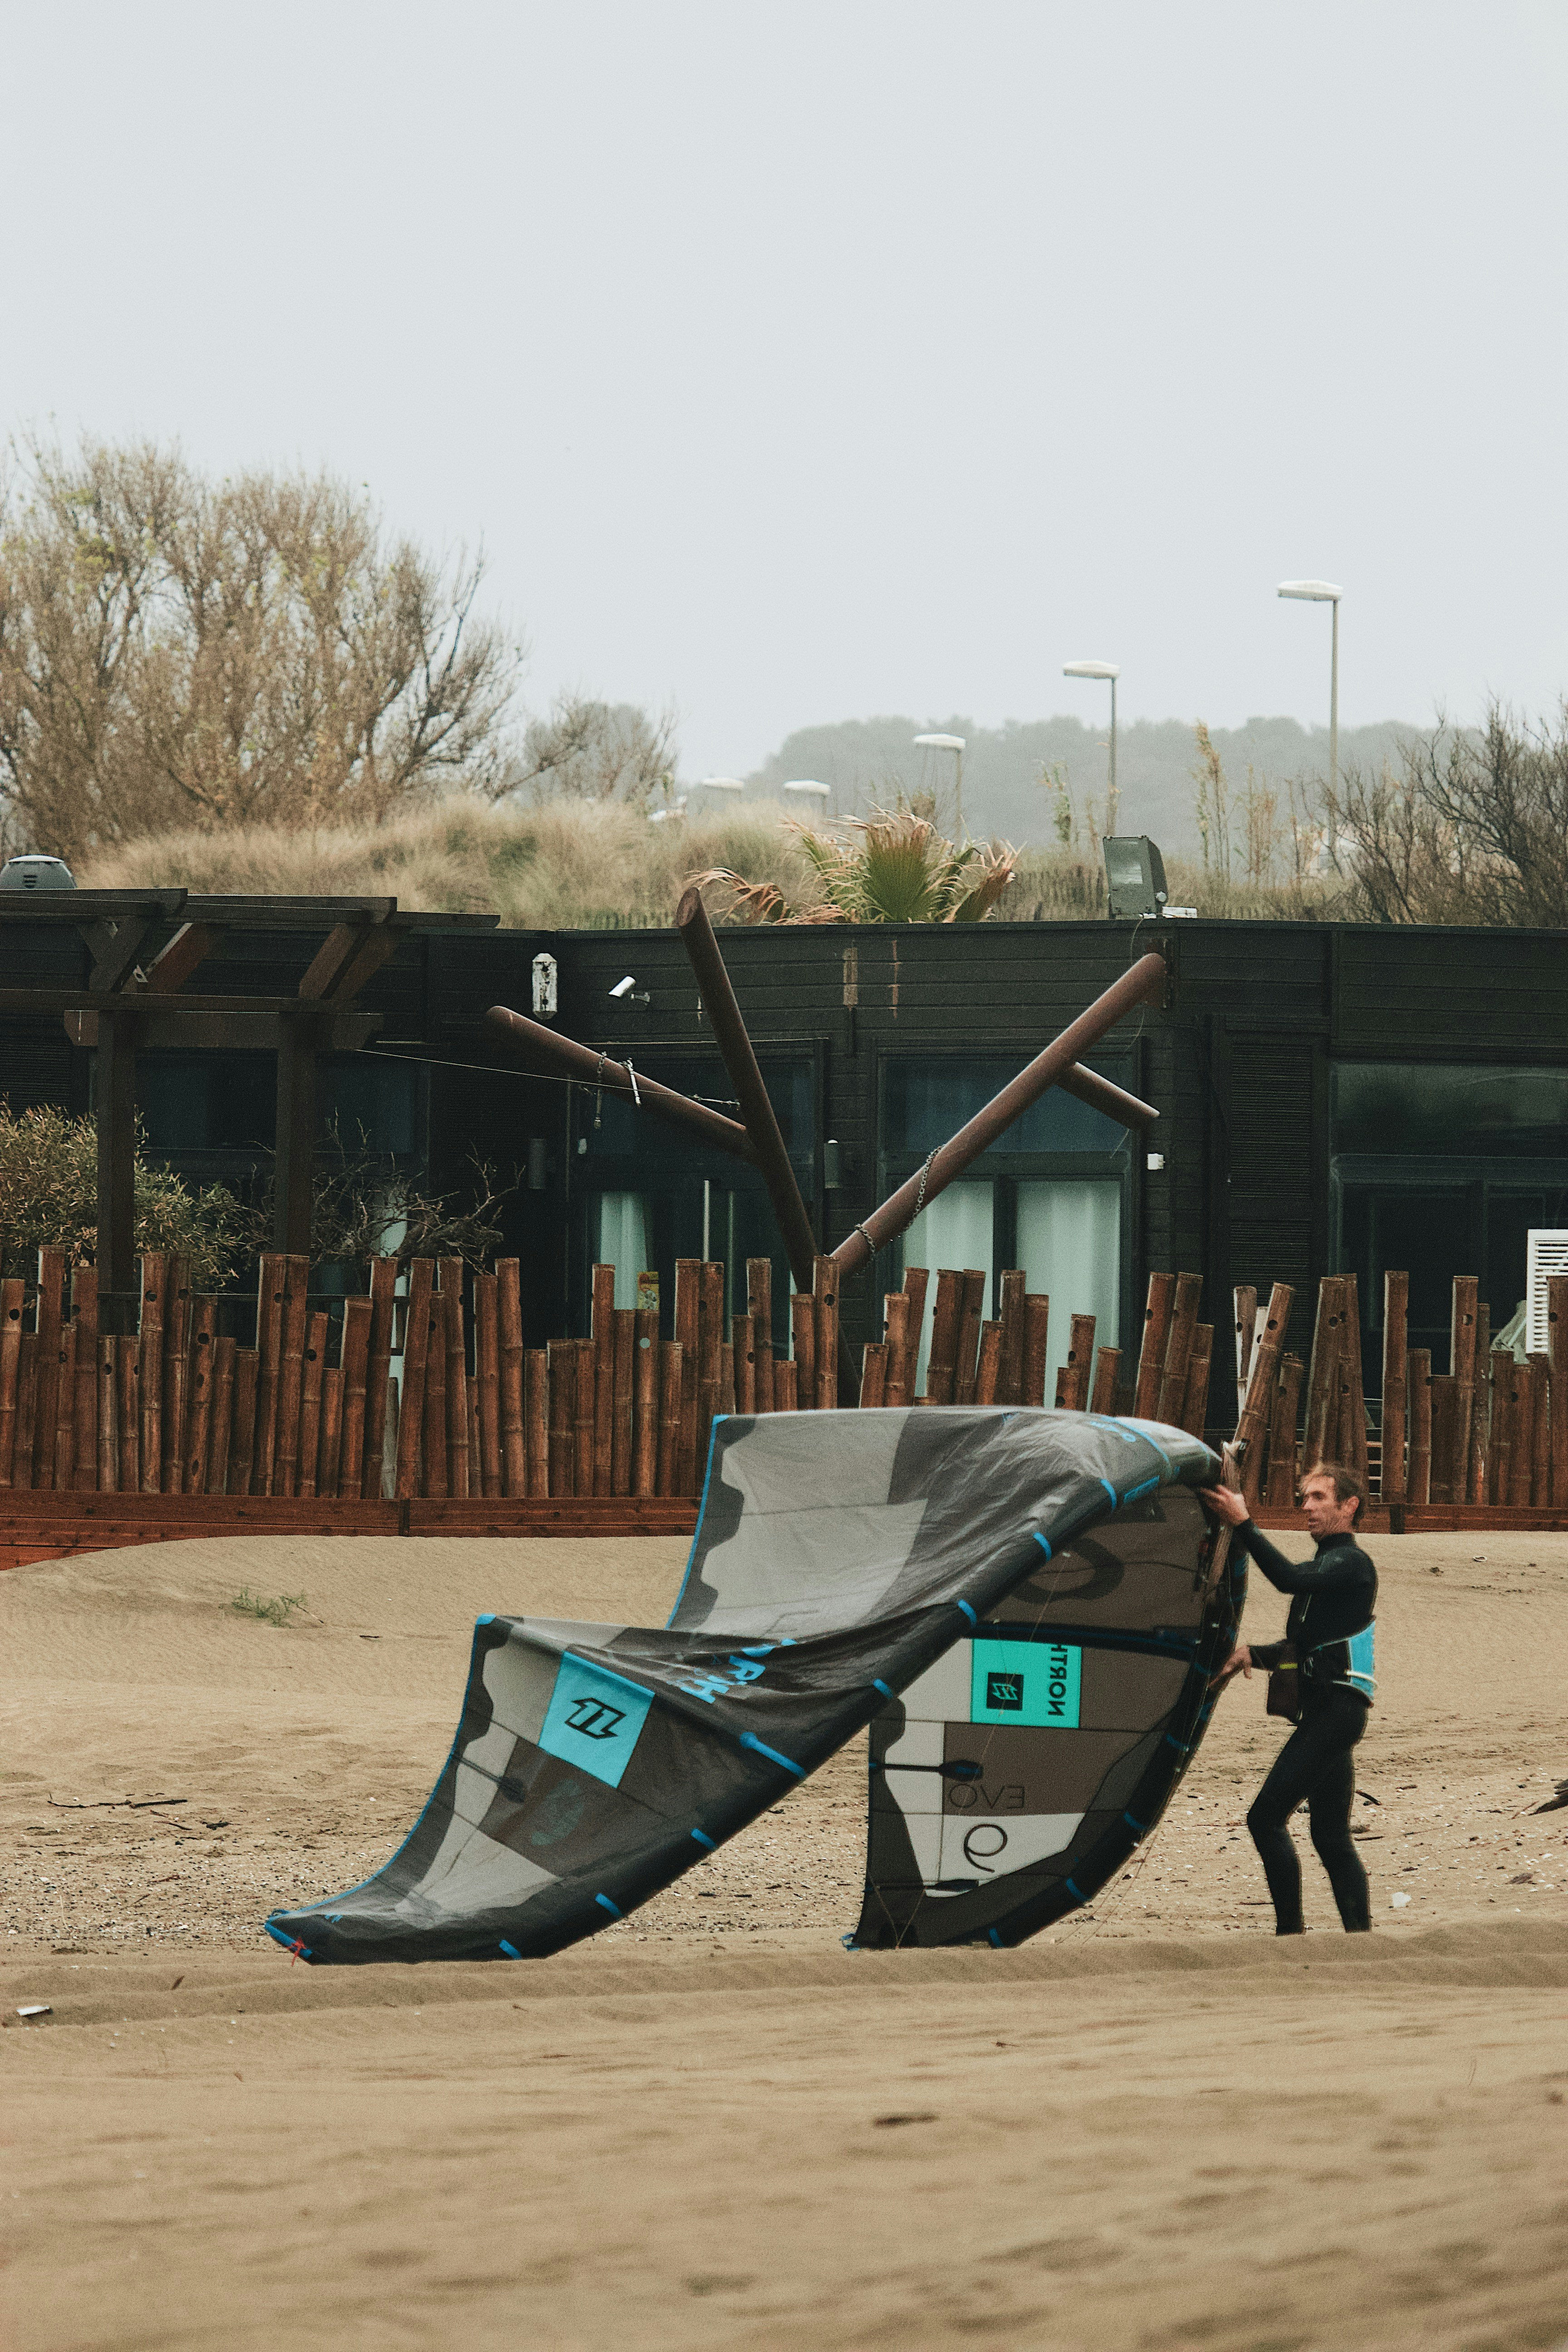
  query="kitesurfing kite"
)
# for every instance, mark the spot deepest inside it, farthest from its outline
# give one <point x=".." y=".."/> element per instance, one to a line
<point x="1026" y="1607"/>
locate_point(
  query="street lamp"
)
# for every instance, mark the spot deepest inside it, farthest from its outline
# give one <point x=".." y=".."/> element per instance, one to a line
<point x="718" y="784"/>
<point x="1323" y="592"/>
<point x="1111" y="670"/>
<point x="810" y="790"/>
<point x="953" y="743"/>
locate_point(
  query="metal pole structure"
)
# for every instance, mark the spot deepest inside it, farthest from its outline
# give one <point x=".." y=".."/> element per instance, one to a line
<point x="1115" y="796"/>
<point x="761" y="1125"/>
<point x="1334" y="707"/>
<point x="1142" y="983"/>
<point x="589" y="1068"/>
<point x="958" y="762"/>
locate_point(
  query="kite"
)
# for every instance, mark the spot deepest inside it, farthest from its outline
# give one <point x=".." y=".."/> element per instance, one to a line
<point x="1026" y="1607"/>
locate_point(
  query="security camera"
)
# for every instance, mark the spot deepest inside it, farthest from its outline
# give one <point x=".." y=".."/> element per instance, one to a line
<point x="624" y="987"/>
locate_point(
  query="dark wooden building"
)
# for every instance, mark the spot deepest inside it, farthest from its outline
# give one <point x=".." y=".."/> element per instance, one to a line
<point x="1332" y="1098"/>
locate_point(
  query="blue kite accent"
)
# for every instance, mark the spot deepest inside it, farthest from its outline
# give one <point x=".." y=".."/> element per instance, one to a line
<point x="609" y="1906"/>
<point x="704" y="1840"/>
<point x="510" y="1950"/>
<point x="749" y="1740"/>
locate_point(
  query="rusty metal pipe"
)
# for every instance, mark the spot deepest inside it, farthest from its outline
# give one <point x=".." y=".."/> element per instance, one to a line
<point x="538" y="1043"/>
<point x="1142" y="983"/>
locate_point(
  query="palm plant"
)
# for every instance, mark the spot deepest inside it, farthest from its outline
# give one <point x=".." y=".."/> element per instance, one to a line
<point x="893" y="866"/>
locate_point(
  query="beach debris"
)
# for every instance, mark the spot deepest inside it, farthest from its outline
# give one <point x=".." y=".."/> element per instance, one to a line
<point x="1522" y="1878"/>
<point x="112" y="1804"/>
<point x="1367" y="1797"/>
<point x="918" y="2115"/>
<point x="34" y="2009"/>
<point x="1397" y="1902"/>
<point x="274" y="1611"/>
<point x="1555" y="1803"/>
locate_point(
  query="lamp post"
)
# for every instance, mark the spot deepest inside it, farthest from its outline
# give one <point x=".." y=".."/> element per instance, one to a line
<point x="1323" y="592"/>
<point x="810" y="790"/>
<point x="718" y="784"/>
<point x="953" y="743"/>
<point x="1111" y="670"/>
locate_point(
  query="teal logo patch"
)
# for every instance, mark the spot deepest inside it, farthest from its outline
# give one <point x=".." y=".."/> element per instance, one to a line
<point x="593" y="1719"/>
<point x="1037" y="1683"/>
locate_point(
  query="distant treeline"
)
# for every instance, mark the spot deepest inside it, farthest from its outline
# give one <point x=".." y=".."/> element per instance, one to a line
<point x="870" y="759"/>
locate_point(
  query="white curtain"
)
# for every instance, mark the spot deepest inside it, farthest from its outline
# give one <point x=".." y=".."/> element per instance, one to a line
<point x="954" y="1231"/>
<point x="623" y="1242"/>
<point x="1069" y="1246"/>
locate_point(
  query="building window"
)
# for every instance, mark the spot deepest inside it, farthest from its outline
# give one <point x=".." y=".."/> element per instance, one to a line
<point x="623" y="1241"/>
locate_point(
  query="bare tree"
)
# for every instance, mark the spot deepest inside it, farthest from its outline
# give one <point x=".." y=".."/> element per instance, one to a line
<point x="599" y="751"/>
<point x="178" y="653"/>
<point x="1471" y="828"/>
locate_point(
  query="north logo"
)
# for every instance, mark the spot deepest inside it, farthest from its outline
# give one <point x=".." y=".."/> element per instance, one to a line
<point x="1005" y="1693"/>
<point x="594" y="1718"/>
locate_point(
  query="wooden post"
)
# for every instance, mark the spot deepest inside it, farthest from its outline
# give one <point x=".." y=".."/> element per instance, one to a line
<point x="242" y="1436"/>
<point x="1194" y="1411"/>
<point x="1281" y="1488"/>
<point x="1185" y="1301"/>
<point x="62" y="1452"/>
<point x="1418" y="1376"/>
<point x="1557" y="1355"/>
<point x="270" y="1285"/>
<point x="624" y="1338"/>
<point x="672" y="1408"/>
<point x="645" y="1447"/>
<point x="825" y="1289"/>
<point x="1246" y="1297"/>
<point x="586" y="1419"/>
<point x="411" y="1400"/>
<point x="1462" y="1365"/>
<point x="602" y="1324"/>
<point x="873" y="1373"/>
<point x="115" y="1088"/>
<point x="1079" y="1363"/>
<point x="13" y="1294"/>
<point x="972" y="1314"/>
<point x="1356" y="1405"/>
<point x="313" y="1363"/>
<point x="514" y="1469"/>
<point x="84" y="1320"/>
<point x="946" y="1313"/>
<point x="196" y="1450"/>
<point x="1322" y="1375"/>
<point x="460" y="1482"/>
<point x="176" y="1368"/>
<point x="294" y="1145"/>
<point x="435" y="1467"/>
<point x="916" y="1281"/>
<point x="989" y="1364"/>
<point x="1107" y="1372"/>
<point x="890" y="1372"/>
<point x="760" y="1300"/>
<point x="709" y="1340"/>
<point x="1396" y="1344"/>
<point x="745" y="1364"/>
<point x="129" y="1371"/>
<point x="785" y="1383"/>
<point x="1522" y="1418"/>
<point x="47" y="1325"/>
<point x="328" y="1458"/>
<point x="355" y="1354"/>
<point x="1499" y="1452"/>
<point x="726" y="1378"/>
<point x="562" y="1373"/>
<point x="378" y="1372"/>
<point x="1010" y="1370"/>
<point x="150" y="1366"/>
<point x="687" y="1313"/>
<point x="803" y="1329"/>
<point x="220" y="1417"/>
<point x="1152" y="1354"/>
<point x="536" y="1421"/>
<point x="1036" y="1349"/>
<point x="26" y="1413"/>
<point x="1444" y="1390"/>
<point x="1247" y="1445"/>
<point x="1481" y="1408"/>
<point x="107" y="1415"/>
<point x="1541" y="1429"/>
<point x="291" y="1373"/>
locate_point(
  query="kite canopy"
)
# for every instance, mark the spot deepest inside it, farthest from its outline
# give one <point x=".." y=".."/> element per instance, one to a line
<point x="839" y="1558"/>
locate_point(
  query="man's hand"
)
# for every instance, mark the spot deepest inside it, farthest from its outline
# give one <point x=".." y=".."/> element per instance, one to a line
<point x="1226" y="1504"/>
<point x="1238" y="1662"/>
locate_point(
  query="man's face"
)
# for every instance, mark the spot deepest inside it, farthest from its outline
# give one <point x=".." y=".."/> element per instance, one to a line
<point x="1326" y="1514"/>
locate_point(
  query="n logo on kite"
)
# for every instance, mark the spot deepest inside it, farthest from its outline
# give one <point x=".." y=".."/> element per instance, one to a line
<point x="593" y="1719"/>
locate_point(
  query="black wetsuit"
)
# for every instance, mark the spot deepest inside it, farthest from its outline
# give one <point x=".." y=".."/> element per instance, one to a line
<point x="1333" y="1596"/>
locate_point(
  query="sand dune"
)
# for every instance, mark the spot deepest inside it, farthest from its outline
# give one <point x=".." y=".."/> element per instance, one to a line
<point x="1153" y="2127"/>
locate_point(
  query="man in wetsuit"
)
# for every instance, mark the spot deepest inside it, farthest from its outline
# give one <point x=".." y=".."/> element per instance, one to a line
<point x="1333" y="1597"/>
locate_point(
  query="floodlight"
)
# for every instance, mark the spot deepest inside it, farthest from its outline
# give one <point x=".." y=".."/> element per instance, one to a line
<point x="941" y="742"/>
<point x="1134" y="875"/>
<point x="718" y="784"/>
<point x="1314" y="591"/>
<point x="1091" y="669"/>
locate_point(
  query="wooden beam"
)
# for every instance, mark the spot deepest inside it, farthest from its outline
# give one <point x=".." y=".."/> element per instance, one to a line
<point x="536" y="1044"/>
<point x="115" y="1109"/>
<point x="294" y="1162"/>
<point x="172" y="965"/>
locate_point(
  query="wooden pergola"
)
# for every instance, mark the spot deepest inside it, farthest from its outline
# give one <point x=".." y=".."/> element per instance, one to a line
<point x="145" y="946"/>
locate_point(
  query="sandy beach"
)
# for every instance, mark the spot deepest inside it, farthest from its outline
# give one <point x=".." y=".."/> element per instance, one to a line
<point x="1155" y="2127"/>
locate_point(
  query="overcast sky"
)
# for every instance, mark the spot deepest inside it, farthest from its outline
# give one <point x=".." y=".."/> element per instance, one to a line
<point x="805" y="362"/>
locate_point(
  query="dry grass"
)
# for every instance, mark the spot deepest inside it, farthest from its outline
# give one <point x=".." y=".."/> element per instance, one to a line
<point x="575" y="864"/>
<point x="567" y="864"/>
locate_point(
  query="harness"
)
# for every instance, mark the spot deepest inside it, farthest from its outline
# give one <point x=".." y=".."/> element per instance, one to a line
<point x="1348" y="1661"/>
